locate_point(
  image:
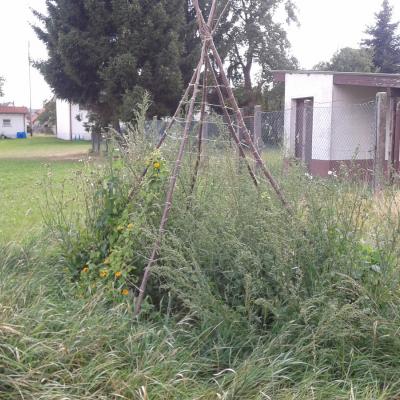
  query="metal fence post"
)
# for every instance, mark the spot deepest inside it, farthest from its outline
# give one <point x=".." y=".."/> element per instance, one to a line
<point x="257" y="128"/>
<point x="380" y="148"/>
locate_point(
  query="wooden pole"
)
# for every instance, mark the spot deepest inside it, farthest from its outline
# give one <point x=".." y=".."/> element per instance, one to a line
<point x="396" y="150"/>
<point x="380" y="149"/>
<point x="170" y="193"/>
<point x="200" y="132"/>
<point x="177" y="111"/>
<point x="229" y="122"/>
<point x="391" y="118"/>
<point x="207" y="37"/>
<point x="174" y="176"/>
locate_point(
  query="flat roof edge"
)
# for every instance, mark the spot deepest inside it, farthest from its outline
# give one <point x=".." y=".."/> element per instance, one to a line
<point x="317" y="72"/>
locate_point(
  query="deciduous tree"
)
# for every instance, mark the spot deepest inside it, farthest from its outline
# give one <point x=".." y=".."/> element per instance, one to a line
<point x="349" y="60"/>
<point x="48" y="116"/>
<point x="254" y="37"/>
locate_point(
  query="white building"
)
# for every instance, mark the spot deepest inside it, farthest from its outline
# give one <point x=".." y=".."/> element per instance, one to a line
<point x="12" y="121"/>
<point x="330" y="117"/>
<point x="71" y="121"/>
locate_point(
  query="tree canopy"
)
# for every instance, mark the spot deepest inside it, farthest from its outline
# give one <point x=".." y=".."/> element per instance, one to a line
<point x="254" y="37"/>
<point x="349" y="60"/>
<point x="104" y="53"/>
<point x="384" y="41"/>
<point x="48" y="116"/>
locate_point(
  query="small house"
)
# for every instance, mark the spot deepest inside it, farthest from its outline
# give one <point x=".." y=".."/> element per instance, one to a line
<point x="330" y="118"/>
<point x="71" y="120"/>
<point x="12" y="121"/>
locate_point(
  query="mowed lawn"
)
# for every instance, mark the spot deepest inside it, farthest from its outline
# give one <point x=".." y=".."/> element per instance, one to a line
<point x="24" y="164"/>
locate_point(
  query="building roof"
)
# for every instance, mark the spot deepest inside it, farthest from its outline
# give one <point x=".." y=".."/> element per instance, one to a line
<point x="36" y="114"/>
<point x="13" y="110"/>
<point x="347" y="78"/>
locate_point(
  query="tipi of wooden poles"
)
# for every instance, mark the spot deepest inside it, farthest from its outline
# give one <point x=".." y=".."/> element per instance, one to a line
<point x="204" y="69"/>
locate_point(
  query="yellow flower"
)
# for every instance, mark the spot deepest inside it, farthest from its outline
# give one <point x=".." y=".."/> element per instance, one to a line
<point x="156" y="165"/>
<point x="130" y="226"/>
<point x="85" y="269"/>
<point x="118" y="274"/>
<point x="107" y="260"/>
<point x="103" y="273"/>
<point x="125" y="292"/>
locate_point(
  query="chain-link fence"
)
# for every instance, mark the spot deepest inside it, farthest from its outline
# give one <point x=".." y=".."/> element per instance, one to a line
<point x="336" y="132"/>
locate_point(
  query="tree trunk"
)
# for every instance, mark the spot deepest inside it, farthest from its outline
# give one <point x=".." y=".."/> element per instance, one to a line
<point x="249" y="93"/>
<point x="116" y="126"/>
<point x="96" y="141"/>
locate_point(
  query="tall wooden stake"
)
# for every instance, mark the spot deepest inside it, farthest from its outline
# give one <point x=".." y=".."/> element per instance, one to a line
<point x="178" y="110"/>
<point x="229" y="122"/>
<point x="200" y="132"/>
<point x="380" y="149"/>
<point x="174" y="176"/>
<point x="208" y="43"/>
<point x="207" y="37"/>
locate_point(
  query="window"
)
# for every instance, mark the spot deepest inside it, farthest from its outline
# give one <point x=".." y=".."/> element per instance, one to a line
<point x="6" y="123"/>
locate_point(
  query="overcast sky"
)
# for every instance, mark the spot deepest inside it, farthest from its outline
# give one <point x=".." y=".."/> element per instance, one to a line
<point x="326" y="26"/>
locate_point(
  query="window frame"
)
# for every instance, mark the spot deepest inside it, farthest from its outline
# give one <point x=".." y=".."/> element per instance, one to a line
<point x="7" y="123"/>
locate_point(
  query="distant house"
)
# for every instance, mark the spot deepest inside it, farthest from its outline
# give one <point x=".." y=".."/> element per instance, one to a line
<point x="12" y="120"/>
<point x="330" y="117"/>
<point x="71" y="121"/>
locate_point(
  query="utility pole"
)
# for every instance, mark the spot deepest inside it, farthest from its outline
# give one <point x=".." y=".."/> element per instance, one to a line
<point x="30" y="89"/>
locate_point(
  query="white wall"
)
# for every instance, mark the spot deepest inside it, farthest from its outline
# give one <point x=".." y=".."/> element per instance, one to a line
<point x="78" y="119"/>
<point x="320" y="88"/>
<point x="17" y="125"/>
<point x="353" y="121"/>
<point x="68" y="125"/>
<point x="63" y="120"/>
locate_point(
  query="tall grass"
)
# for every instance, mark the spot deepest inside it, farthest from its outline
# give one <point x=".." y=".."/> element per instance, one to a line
<point x="246" y="301"/>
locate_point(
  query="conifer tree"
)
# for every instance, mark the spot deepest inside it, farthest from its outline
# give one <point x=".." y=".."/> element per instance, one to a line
<point x="104" y="53"/>
<point x="384" y="41"/>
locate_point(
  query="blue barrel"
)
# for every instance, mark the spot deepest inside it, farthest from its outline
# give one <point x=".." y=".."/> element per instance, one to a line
<point x="21" y="135"/>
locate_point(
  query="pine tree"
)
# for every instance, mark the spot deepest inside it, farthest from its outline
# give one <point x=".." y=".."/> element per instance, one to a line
<point x="384" y="41"/>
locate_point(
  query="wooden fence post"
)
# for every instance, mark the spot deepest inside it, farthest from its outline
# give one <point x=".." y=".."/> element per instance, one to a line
<point x="257" y="128"/>
<point x="396" y="150"/>
<point x="206" y="122"/>
<point x="240" y="136"/>
<point x="380" y="148"/>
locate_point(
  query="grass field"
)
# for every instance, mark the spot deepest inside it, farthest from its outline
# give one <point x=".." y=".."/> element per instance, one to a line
<point x="23" y="165"/>
<point x="42" y="147"/>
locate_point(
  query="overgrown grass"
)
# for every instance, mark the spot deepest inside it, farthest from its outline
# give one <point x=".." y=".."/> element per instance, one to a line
<point x="245" y="302"/>
<point x="56" y="345"/>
